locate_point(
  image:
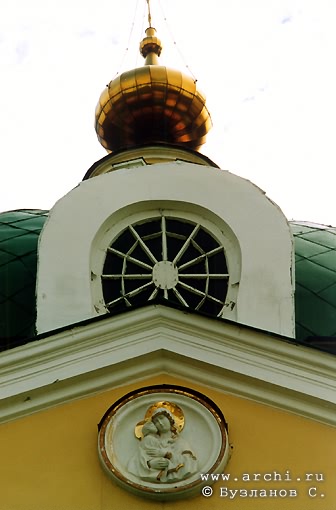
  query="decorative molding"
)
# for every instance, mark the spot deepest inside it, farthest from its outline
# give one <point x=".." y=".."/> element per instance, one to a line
<point x="95" y="356"/>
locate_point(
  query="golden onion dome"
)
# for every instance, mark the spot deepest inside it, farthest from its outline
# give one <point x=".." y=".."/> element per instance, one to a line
<point x="151" y="104"/>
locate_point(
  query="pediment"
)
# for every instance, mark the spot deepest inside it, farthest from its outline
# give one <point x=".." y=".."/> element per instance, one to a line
<point x="157" y="340"/>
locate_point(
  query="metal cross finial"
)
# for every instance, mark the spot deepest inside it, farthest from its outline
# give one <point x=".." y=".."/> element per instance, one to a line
<point x="149" y="13"/>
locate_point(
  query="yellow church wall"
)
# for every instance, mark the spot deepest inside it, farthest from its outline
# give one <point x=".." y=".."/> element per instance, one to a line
<point x="49" y="460"/>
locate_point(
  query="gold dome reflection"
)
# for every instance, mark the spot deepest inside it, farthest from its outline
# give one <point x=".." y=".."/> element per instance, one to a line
<point x="151" y="104"/>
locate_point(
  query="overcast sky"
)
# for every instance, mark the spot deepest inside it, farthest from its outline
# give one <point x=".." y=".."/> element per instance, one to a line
<point x="267" y="68"/>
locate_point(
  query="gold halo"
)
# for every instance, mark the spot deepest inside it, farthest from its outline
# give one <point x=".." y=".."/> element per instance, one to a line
<point x="174" y="409"/>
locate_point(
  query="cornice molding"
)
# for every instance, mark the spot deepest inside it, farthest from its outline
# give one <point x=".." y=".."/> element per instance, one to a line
<point x="154" y="340"/>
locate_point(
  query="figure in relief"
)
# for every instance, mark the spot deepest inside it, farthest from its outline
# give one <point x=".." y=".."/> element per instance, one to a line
<point x="163" y="456"/>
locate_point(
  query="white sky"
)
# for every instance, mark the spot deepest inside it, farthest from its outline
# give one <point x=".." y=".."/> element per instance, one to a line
<point x="267" y="68"/>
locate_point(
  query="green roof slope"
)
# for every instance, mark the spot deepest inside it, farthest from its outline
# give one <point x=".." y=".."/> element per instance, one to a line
<point x="19" y="233"/>
<point x="315" y="278"/>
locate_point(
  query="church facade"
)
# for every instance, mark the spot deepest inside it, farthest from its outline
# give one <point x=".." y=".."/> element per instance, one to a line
<point x="167" y="335"/>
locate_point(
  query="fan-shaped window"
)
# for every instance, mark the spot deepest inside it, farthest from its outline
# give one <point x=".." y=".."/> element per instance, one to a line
<point x="166" y="257"/>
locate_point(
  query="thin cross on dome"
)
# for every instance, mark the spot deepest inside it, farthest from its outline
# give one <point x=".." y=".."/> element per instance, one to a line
<point x="149" y="13"/>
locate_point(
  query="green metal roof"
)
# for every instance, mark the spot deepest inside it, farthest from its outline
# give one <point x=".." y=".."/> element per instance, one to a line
<point x="315" y="276"/>
<point x="19" y="233"/>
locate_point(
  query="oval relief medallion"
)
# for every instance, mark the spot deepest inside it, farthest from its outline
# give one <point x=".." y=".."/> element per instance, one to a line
<point x="157" y="441"/>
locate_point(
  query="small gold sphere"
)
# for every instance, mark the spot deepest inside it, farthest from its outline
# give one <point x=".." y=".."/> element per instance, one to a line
<point x="150" y="43"/>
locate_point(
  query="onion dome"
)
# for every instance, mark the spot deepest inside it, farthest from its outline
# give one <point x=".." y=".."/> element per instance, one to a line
<point x="152" y="104"/>
<point x="19" y="233"/>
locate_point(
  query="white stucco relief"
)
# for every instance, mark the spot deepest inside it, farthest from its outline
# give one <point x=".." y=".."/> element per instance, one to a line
<point x="150" y="442"/>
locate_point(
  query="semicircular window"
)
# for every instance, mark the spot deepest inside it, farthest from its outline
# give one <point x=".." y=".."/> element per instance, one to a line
<point x="167" y="258"/>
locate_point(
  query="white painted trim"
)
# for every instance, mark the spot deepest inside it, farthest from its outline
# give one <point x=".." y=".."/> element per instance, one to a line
<point x="155" y="340"/>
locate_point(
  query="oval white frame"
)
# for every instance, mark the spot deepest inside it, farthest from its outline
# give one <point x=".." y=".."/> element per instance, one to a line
<point x="117" y="441"/>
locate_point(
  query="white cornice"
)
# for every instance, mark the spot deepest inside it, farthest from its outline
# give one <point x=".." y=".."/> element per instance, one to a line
<point x="156" y="340"/>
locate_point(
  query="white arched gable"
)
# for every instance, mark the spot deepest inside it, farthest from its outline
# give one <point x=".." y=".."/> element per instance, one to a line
<point x="253" y="230"/>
